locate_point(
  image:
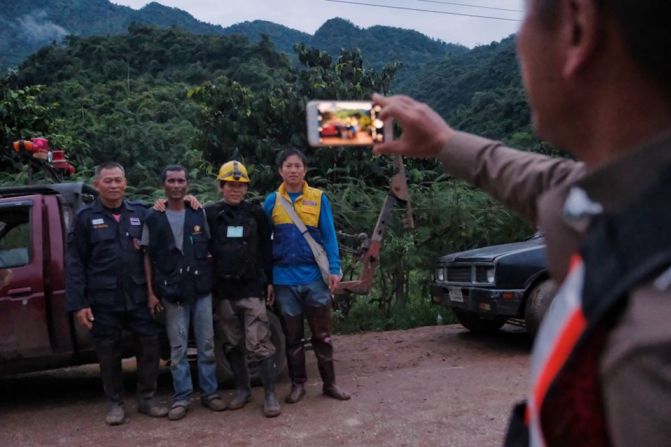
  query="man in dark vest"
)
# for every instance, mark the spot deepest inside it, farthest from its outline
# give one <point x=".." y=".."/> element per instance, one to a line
<point x="598" y="80"/>
<point x="241" y="248"/>
<point x="106" y="289"/>
<point x="179" y="274"/>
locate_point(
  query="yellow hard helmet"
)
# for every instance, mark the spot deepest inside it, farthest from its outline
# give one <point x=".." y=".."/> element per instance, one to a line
<point x="233" y="171"/>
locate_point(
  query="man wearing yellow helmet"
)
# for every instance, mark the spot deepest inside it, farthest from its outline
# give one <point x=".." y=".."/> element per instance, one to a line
<point x="241" y="248"/>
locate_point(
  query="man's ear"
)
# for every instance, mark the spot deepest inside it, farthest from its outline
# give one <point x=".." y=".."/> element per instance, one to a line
<point x="582" y="28"/>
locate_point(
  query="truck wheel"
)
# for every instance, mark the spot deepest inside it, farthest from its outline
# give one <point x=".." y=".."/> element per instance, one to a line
<point x="476" y="324"/>
<point x="538" y="302"/>
<point x="224" y="373"/>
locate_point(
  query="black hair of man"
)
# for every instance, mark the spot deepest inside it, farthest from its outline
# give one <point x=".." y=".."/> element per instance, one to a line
<point x="286" y="153"/>
<point x="173" y="168"/>
<point x="108" y="165"/>
<point x="645" y="30"/>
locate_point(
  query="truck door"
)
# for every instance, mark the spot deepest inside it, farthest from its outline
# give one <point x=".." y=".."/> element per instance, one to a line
<point x="23" y="312"/>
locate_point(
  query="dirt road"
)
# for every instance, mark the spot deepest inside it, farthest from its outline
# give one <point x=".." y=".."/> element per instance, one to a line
<point x="432" y="386"/>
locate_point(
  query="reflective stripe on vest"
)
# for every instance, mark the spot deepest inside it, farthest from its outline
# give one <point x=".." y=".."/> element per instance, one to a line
<point x="562" y="327"/>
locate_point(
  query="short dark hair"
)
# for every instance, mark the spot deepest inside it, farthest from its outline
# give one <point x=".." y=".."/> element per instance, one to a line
<point x="286" y="153"/>
<point x="644" y="25"/>
<point x="107" y="165"/>
<point x="173" y="168"/>
<point x="646" y="34"/>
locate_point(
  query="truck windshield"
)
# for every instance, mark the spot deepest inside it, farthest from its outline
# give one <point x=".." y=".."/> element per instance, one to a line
<point x="14" y="236"/>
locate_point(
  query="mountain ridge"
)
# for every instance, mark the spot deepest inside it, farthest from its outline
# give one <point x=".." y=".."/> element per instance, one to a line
<point x="29" y="25"/>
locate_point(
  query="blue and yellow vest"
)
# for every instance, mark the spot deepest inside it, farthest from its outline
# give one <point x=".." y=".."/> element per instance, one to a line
<point x="289" y="245"/>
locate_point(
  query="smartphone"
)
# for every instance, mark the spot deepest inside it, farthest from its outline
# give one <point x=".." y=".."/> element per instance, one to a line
<point x="346" y="123"/>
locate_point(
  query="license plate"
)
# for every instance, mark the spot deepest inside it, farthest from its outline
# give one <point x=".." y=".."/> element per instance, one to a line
<point x="455" y="294"/>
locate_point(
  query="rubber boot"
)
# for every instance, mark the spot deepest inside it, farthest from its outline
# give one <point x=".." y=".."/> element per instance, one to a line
<point x="147" y="373"/>
<point x="243" y="391"/>
<point x="319" y="320"/>
<point x="271" y="407"/>
<point x="295" y="332"/>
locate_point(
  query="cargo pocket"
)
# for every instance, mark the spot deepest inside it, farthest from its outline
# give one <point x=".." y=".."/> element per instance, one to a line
<point x="168" y="287"/>
<point x="203" y="280"/>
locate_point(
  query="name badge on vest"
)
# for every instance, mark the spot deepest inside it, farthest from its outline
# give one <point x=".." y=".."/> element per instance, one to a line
<point x="134" y="221"/>
<point x="234" y="231"/>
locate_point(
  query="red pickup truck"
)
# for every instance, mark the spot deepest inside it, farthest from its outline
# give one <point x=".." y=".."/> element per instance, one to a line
<point x="36" y="333"/>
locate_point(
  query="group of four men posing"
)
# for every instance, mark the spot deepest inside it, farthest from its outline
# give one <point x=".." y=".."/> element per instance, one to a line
<point x="125" y="264"/>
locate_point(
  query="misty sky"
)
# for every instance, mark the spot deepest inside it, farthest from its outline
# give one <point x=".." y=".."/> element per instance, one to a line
<point x="308" y="15"/>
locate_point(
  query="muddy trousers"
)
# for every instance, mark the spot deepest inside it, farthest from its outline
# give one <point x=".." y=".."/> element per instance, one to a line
<point x="319" y="320"/>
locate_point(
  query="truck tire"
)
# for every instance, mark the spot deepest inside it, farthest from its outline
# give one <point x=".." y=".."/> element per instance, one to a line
<point x="224" y="373"/>
<point x="538" y="302"/>
<point x="476" y="324"/>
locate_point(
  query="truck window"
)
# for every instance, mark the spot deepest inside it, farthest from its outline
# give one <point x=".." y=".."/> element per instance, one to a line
<point x="14" y="236"/>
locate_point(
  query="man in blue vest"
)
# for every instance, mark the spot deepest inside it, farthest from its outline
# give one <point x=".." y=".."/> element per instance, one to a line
<point x="106" y="289"/>
<point x="179" y="279"/>
<point x="598" y="80"/>
<point x="300" y="286"/>
<point x="243" y="266"/>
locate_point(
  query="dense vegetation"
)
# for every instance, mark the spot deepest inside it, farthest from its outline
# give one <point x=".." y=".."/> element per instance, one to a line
<point x="157" y="96"/>
<point x="29" y="25"/>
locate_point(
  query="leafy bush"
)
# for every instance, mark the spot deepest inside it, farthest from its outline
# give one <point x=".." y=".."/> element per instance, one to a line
<point x="366" y="316"/>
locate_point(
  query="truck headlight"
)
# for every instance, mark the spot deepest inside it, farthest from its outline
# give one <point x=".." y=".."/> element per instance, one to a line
<point x="440" y="274"/>
<point x="490" y="275"/>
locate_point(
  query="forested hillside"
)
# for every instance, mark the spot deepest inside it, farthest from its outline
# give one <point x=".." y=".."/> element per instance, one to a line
<point x="125" y="96"/>
<point x="156" y="96"/>
<point x="478" y="91"/>
<point x="29" y="25"/>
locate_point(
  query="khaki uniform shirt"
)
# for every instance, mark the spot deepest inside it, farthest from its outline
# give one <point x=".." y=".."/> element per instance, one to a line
<point x="635" y="366"/>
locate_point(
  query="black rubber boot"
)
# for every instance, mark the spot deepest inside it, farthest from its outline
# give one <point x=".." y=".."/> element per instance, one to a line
<point x="271" y="407"/>
<point x="243" y="391"/>
<point x="319" y="320"/>
<point x="295" y="332"/>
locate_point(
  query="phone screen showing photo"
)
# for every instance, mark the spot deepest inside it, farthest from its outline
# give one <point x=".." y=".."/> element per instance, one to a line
<point x="349" y="123"/>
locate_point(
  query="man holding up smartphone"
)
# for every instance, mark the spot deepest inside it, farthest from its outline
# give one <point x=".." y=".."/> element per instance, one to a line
<point x="598" y="86"/>
<point x="301" y="287"/>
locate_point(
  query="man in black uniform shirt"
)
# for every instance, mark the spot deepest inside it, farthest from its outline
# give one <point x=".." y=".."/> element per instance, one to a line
<point x="107" y="292"/>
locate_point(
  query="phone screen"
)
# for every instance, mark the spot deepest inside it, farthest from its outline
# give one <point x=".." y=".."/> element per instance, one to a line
<point x="345" y="123"/>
